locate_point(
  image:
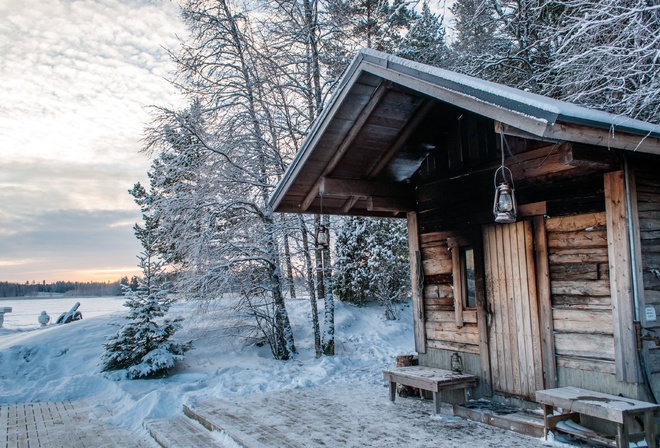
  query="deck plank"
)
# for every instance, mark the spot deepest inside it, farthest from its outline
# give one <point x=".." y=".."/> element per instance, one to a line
<point x="65" y="425"/>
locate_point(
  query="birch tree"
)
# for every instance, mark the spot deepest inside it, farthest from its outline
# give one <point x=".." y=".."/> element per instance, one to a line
<point x="233" y="235"/>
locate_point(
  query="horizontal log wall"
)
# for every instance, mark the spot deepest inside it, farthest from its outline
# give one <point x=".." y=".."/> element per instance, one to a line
<point x="441" y="329"/>
<point x="580" y="287"/>
<point x="648" y="206"/>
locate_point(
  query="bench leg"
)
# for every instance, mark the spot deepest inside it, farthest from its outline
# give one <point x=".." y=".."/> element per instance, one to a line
<point x="437" y="399"/>
<point x="392" y="390"/>
<point x="548" y="410"/>
<point x="649" y="421"/>
<point x="622" y="434"/>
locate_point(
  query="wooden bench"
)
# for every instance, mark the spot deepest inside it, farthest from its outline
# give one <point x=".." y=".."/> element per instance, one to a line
<point x="619" y="410"/>
<point x="429" y="378"/>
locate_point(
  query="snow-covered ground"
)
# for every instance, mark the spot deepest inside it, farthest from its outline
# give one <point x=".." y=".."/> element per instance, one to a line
<point x="62" y="362"/>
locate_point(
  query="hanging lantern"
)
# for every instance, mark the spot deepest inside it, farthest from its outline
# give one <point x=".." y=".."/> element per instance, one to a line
<point x="322" y="237"/>
<point x="504" y="205"/>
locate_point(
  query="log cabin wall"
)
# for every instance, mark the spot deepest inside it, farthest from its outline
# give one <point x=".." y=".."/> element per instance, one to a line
<point x="580" y="287"/>
<point x="562" y="181"/>
<point x="647" y="180"/>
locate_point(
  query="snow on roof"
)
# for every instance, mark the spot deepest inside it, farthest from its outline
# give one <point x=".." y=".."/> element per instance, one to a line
<point x="515" y="100"/>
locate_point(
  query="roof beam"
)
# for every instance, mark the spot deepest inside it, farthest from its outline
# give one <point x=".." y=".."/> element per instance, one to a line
<point x="390" y="205"/>
<point x="375" y="99"/>
<point x="587" y="157"/>
<point x="603" y="137"/>
<point x="401" y="140"/>
<point x="364" y="188"/>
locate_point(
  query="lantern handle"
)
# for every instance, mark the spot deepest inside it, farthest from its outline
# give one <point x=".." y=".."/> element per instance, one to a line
<point x="502" y="169"/>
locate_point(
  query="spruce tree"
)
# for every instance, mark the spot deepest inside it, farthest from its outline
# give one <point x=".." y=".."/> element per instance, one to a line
<point x="425" y="41"/>
<point x="142" y="346"/>
<point x="371" y="262"/>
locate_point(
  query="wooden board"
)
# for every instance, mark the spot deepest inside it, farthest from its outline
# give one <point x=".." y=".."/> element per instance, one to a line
<point x="593" y="346"/>
<point x="417" y="282"/>
<point x="583" y="321"/>
<point x="576" y="222"/>
<point x="621" y="284"/>
<point x="594" y="404"/>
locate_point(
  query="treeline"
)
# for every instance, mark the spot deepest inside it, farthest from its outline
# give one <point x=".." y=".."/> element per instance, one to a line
<point x="27" y="289"/>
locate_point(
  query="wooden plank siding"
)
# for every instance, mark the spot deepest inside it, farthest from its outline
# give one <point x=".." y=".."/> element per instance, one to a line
<point x="647" y="183"/>
<point x="442" y="331"/>
<point x="580" y="291"/>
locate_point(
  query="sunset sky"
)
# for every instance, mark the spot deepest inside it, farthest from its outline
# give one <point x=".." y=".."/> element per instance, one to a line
<point x="76" y="77"/>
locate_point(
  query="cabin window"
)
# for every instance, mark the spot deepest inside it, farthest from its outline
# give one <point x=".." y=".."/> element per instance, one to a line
<point x="469" y="293"/>
<point x="464" y="288"/>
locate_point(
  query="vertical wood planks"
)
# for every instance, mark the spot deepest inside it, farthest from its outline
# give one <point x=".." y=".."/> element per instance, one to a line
<point x="482" y="314"/>
<point x="515" y="341"/>
<point x="619" y="254"/>
<point x="545" y="303"/>
<point x="417" y="283"/>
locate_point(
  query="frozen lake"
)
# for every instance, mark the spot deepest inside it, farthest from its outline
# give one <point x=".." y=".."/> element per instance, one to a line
<point x="25" y="311"/>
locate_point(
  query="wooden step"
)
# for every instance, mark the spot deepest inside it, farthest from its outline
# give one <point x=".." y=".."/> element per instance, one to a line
<point x="180" y="432"/>
<point x="239" y="425"/>
<point x="512" y="419"/>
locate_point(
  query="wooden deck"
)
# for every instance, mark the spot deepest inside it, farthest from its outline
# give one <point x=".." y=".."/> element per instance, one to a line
<point x="62" y="424"/>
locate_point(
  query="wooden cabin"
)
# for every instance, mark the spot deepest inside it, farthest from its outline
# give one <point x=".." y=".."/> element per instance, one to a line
<point x="569" y="293"/>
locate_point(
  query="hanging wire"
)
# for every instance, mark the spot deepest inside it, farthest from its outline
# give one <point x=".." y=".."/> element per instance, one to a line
<point x="503" y="169"/>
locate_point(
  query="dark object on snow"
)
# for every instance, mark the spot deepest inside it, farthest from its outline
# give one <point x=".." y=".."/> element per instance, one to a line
<point x="72" y="315"/>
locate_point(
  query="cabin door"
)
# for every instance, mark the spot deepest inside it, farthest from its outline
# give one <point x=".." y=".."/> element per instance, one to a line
<point x="514" y="332"/>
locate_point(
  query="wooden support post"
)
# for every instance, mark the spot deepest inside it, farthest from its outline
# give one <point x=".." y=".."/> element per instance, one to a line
<point x="545" y="303"/>
<point x="621" y="284"/>
<point x="417" y="283"/>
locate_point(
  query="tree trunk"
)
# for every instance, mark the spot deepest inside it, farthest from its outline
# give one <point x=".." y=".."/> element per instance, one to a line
<point x="310" y="286"/>
<point x="287" y="262"/>
<point x="329" y="315"/>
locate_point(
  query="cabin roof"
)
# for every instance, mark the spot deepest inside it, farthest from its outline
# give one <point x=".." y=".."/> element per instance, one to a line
<point x="359" y="155"/>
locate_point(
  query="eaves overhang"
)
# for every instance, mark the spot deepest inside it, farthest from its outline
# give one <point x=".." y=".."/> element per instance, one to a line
<point x="514" y="111"/>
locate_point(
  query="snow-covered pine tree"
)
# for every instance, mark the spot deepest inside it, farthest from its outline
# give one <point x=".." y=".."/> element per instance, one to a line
<point x="142" y="345"/>
<point x="503" y="40"/>
<point x="371" y="262"/>
<point x="351" y="274"/>
<point x="425" y="41"/>
<point x="388" y="265"/>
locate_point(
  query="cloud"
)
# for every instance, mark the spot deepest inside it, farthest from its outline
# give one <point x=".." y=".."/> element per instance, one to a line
<point x="78" y="75"/>
<point x="75" y="241"/>
<point x="76" y="78"/>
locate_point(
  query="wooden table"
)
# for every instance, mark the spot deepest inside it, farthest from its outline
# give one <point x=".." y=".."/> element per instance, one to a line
<point x="429" y="378"/>
<point x="620" y="410"/>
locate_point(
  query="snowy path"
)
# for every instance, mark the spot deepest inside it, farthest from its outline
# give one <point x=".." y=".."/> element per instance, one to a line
<point x="351" y="414"/>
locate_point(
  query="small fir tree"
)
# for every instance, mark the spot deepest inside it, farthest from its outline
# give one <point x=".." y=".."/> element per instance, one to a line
<point x="142" y="346"/>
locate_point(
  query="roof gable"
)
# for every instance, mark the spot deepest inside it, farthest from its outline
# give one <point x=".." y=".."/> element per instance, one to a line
<point x="365" y="131"/>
